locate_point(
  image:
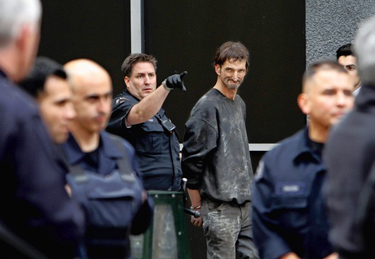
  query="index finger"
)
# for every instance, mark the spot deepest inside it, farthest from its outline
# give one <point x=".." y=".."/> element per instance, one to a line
<point x="183" y="74"/>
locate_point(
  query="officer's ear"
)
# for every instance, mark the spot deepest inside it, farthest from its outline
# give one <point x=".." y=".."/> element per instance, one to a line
<point x="126" y="81"/>
<point x="304" y="103"/>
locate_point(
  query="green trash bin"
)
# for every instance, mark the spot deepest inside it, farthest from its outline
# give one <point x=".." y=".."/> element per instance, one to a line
<point x="167" y="237"/>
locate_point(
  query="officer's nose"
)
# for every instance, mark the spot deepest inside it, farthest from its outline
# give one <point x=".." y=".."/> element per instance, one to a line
<point x="147" y="80"/>
<point x="70" y="112"/>
<point x="104" y="105"/>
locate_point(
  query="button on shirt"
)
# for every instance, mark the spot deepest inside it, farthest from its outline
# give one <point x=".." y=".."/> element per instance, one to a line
<point x="289" y="214"/>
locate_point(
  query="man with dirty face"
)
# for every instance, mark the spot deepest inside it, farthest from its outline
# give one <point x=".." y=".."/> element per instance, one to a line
<point x="216" y="159"/>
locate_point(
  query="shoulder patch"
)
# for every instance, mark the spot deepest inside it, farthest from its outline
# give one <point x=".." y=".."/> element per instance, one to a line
<point x="259" y="171"/>
<point x="121" y="100"/>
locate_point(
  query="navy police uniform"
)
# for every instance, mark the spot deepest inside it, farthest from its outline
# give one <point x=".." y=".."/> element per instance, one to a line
<point x="155" y="141"/>
<point x="110" y="191"/>
<point x="289" y="212"/>
<point x="34" y="203"/>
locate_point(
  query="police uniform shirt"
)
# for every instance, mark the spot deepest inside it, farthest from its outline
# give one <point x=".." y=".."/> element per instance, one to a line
<point x="289" y="213"/>
<point x="157" y="148"/>
<point x="35" y="205"/>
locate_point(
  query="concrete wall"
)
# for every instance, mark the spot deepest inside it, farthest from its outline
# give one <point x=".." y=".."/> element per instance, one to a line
<point x="330" y="24"/>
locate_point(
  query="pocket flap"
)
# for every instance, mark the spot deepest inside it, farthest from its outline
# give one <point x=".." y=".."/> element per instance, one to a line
<point x="152" y="126"/>
<point x="279" y="202"/>
<point x="108" y="187"/>
<point x="106" y="192"/>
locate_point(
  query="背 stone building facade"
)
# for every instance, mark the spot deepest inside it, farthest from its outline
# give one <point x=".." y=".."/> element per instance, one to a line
<point x="331" y="24"/>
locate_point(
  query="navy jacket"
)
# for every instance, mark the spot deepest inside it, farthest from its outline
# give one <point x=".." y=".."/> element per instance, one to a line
<point x="115" y="209"/>
<point x="34" y="203"/>
<point x="288" y="209"/>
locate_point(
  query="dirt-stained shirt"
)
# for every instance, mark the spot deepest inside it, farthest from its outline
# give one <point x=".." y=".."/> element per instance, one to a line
<point x="215" y="156"/>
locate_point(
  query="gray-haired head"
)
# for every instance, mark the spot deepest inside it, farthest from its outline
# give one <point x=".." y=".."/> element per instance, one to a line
<point x="14" y="14"/>
<point x="364" y="49"/>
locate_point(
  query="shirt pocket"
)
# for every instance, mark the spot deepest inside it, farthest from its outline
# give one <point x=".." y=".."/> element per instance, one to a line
<point x="152" y="140"/>
<point x="288" y="202"/>
<point x="291" y="211"/>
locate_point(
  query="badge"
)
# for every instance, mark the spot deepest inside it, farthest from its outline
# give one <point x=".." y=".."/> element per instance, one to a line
<point x="259" y="171"/>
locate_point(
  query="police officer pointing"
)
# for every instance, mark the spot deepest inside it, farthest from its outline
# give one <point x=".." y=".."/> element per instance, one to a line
<point x="138" y="117"/>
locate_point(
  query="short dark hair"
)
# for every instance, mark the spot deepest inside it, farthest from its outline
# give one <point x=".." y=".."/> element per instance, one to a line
<point x="42" y="69"/>
<point x="231" y="50"/>
<point x="132" y="59"/>
<point x="322" y="65"/>
<point x="345" y="50"/>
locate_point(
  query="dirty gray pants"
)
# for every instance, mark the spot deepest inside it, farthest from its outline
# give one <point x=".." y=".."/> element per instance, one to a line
<point x="228" y="230"/>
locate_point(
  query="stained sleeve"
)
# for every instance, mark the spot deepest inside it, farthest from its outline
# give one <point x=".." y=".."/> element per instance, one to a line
<point x="199" y="140"/>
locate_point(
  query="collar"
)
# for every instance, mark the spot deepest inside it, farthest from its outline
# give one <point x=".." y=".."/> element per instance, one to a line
<point x="302" y="148"/>
<point x="218" y="92"/>
<point x="366" y="96"/>
<point x="75" y="154"/>
<point x="126" y="92"/>
<point x="356" y="91"/>
<point x="2" y="74"/>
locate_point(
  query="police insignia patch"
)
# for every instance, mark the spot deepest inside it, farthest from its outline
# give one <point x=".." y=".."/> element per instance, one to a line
<point x="259" y="171"/>
<point x="121" y="100"/>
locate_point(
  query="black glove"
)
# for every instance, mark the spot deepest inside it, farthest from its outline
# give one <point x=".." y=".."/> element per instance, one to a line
<point x="175" y="81"/>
